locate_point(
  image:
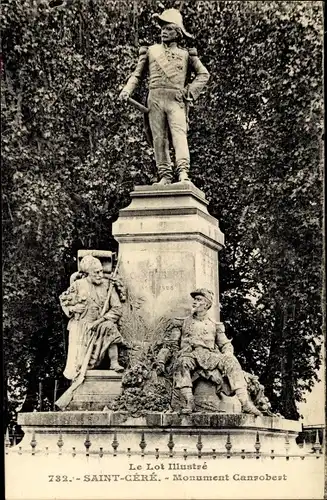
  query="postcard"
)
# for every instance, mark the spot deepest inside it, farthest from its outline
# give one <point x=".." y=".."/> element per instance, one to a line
<point x="163" y="249"/>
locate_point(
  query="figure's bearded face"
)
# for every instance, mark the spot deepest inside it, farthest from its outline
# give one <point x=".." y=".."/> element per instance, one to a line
<point x="170" y="33"/>
<point x="96" y="275"/>
<point x="200" y="304"/>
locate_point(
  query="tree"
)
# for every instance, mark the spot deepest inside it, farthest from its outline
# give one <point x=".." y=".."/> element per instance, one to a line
<point x="71" y="155"/>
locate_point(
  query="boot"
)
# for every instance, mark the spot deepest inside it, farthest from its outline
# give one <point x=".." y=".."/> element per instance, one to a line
<point x="164" y="181"/>
<point x="188" y="395"/>
<point x="247" y="405"/>
<point x="183" y="176"/>
<point x="182" y="169"/>
<point x="165" y="174"/>
<point x="113" y="356"/>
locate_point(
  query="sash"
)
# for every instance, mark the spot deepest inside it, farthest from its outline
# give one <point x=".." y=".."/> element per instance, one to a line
<point x="167" y="67"/>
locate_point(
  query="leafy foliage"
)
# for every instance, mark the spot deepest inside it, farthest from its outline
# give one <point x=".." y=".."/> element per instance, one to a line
<point x="141" y="390"/>
<point x="71" y="154"/>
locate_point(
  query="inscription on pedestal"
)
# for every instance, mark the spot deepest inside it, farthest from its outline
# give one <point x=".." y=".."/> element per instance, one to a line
<point x="158" y="280"/>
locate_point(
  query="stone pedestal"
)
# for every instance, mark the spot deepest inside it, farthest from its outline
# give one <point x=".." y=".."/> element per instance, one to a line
<point x="156" y="431"/>
<point x="98" y="389"/>
<point x="168" y="245"/>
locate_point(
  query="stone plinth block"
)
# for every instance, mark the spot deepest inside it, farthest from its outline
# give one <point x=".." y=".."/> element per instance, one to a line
<point x="241" y="430"/>
<point x="98" y="389"/>
<point x="168" y="245"/>
<point x="207" y="400"/>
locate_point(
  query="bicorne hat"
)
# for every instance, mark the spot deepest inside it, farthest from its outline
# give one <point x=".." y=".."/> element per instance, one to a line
<point x="172" y="16"/>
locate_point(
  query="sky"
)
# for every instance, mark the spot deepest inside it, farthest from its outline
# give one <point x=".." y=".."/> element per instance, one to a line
<point x="313" y="410"/>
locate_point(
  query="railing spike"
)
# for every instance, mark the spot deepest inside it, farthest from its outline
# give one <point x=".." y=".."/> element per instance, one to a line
<point x="142" y="444"/>
<point x="87" y="443"/>
<point x="7" y="439"/>
<point x="115" y="444"/>
<point x="33" y="443"/>
<point x="228" y="445"/>
<point x="171" y="444"/>
<point x="287" y="445"/>
<point x="257" y="445"/>
<point x="60" y="442"/>
<point x="199" y="446"/>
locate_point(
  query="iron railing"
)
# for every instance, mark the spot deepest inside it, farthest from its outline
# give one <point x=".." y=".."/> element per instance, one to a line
<point x="198" y="451"/>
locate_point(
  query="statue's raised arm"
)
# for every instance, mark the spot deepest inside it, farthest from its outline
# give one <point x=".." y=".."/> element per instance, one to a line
<point x="171" y="92"/>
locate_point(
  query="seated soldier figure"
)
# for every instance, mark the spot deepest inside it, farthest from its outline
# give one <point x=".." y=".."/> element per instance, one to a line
<point x="205" y="351"/>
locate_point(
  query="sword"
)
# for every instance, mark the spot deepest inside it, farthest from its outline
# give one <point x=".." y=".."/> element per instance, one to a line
<point x="188" y="103"/>
<point x="138" y="105"/>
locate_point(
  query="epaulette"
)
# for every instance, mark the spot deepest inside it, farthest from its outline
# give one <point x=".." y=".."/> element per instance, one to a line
<point x="193" y="51"/>
<point x="216" y="322"/>
<point x="176" y="322"/>
<point x="143" y="50"/>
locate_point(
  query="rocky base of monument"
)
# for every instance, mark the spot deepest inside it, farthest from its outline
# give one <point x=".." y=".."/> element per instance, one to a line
<point x="157" y="432"/>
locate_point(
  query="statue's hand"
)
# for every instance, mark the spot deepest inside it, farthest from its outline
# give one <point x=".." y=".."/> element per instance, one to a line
<point x="110" y="316"/>
<point x="115" y="281"/>
<point x="78" y="308"/>
<point x="188" y="363"/>
<point x="186" y="96"/>
<point x="123" y="96"/>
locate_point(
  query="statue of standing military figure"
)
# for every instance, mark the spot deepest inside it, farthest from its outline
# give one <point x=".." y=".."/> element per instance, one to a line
<point x="170" y="94"/>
